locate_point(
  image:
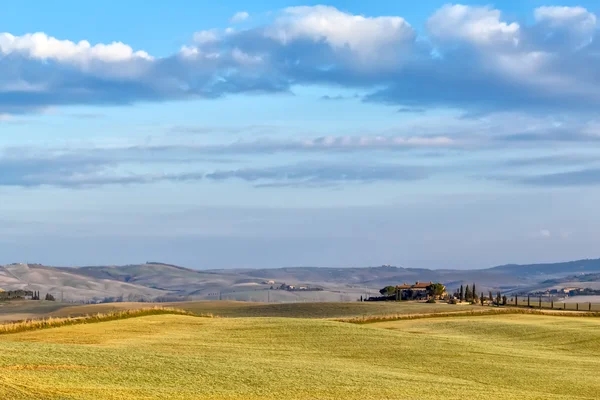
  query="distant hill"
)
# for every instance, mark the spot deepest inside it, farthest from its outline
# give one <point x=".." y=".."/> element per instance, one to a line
<point x="164" y="277"/>
<point x="580" y="266"/>
<point x="162" y="281"/>
<point x="68" y="285"/>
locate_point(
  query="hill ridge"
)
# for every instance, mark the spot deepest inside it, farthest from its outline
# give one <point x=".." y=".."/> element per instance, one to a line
<point x="157" y="280"/>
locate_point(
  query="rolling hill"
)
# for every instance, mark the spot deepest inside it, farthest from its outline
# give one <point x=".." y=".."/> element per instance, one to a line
<point x="69" y="285"/>
<point x="186" y="357"/>
<point x="166" y="282"/>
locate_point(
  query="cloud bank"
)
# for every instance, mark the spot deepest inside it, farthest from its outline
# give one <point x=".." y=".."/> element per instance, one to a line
<point x="552" y="63"/>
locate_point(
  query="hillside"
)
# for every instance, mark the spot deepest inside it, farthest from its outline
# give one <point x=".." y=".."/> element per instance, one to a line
<point x="153" y="281"/>
<point x="69" y="285"/>
<point x="533" y="270"/>
<point x="583" y="278"/>
<point x="184" y="357"/>
<point x="164" y="277"/>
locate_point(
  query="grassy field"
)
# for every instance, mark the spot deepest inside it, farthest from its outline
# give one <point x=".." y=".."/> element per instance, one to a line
<point x="572" y="304"/>
<point x="312" y="310"/>
<point x="185" y="357"/>
<point x="19" y="310"/>
<point x="13" y="311"/>
<point x="236" y="309"/>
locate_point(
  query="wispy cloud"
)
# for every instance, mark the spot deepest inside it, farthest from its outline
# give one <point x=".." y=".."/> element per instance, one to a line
<point x="323" y="174"/>
<point x="411" y="110"/>
<point x="238" y="17"/>
<point x="205" y="130"/>
<point x="552" y="160"/>
<point x="338" y="97"/>
<point x="545" y="233"/>
<point x="582" y="177"/>
<point x="88" y="115"/>
<point x="75" y="170"/>
<point x="97" y="168"/>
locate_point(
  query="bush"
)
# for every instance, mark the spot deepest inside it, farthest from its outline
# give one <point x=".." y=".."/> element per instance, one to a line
<point x="452" y="301"/>
<point x="431" y="301"/>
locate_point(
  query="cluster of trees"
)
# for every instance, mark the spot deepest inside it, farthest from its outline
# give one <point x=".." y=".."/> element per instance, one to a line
<point x="388" y="291"/>
<point x="470" y="294"/>
<point x="433" y="290"/>
<point x="36" y="296"/>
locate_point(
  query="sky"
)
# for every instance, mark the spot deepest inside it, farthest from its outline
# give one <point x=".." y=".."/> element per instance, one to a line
<point x="280" y="134"/>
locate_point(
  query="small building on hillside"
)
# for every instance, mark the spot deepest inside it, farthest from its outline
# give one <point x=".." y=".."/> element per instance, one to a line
<point x="418" y="291"/>
<point x="16" y="294"/>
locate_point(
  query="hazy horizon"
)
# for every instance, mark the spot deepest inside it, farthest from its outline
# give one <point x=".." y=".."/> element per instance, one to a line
<point x="427" y="135"/>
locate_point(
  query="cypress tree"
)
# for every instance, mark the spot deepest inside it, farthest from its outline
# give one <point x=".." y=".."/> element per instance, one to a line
<point x="491" y="296"/>
<point x="468" y="295"/>
<point x="482" y="298"/>
<point x="462" y="293"/>
<point x="474" y="291"/>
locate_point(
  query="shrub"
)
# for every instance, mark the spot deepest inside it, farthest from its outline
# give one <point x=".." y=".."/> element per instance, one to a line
<point x="431" y="301"/>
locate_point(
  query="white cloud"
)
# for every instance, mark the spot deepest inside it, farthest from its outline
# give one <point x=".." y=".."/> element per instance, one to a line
<point x="471" y="59"/>
<point x="545" y="233"/>
<point x="238" y="17"/>
<point x="206" y="37"/>
<point x="43" y="47"/>
<point x="390" y="142"/>
<point x="245" y="58"/>
<point x="566" y="16"/>
<point x="189" y="51"/>
<point x="477" y="25"/>
<point x="566" y="26"/>
<point x="363" y="36"/>
<point x="566" y="235"/>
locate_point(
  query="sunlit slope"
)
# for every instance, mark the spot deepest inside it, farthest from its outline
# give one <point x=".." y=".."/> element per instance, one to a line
<point x="180" y="357"/>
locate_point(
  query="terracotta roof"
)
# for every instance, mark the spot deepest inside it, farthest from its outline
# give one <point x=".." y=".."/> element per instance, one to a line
<point x="422" y="285"/>
<point x="418" y="285"/>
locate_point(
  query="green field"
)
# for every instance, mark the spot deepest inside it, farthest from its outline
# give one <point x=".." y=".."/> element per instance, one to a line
<point x="185" y="357"/>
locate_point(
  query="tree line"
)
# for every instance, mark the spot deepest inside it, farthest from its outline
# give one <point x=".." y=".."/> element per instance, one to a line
<point x="469" y="294"/>
<point x="36" y="296"/>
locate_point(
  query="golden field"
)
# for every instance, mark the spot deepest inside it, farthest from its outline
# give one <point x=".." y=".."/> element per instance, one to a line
<point x="510" y="356"/>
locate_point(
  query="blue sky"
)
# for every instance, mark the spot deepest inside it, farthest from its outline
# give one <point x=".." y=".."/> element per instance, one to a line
<point x="279" y="133"/>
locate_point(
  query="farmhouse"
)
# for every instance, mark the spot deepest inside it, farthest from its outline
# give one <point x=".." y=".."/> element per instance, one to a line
<point x="418" y="291"/>
<point x="16" y="294"/>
